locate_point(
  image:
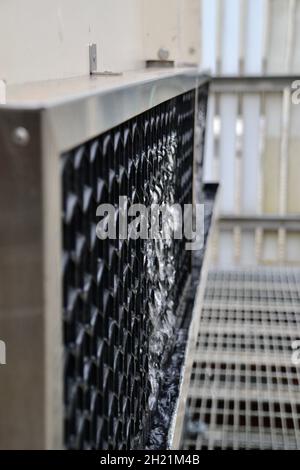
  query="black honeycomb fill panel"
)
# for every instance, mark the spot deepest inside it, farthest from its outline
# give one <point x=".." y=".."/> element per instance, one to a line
<point x="107" y="289"/>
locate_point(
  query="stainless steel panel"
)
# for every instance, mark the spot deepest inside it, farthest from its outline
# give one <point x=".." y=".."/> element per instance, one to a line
<point x="22" y="379"/>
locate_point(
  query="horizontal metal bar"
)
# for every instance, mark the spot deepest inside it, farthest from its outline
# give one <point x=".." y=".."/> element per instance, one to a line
<point x="247" y="393"/>
<point x="290" y="222"/>
<point x="238" y="327"/>
<point x="251" y="84"/>
<point x="242" y="358"/>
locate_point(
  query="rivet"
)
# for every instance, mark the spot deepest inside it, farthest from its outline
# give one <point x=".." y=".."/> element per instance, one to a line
<point x="21" y="136"/>
<point x="163" y="54"/>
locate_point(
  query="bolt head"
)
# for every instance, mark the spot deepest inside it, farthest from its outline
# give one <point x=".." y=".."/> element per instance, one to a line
<point x="21" y="136"/>
<point x="163" y="54"/>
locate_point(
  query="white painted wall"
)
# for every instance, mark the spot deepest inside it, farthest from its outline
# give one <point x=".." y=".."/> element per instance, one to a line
<point x="48" y="39"/>
<point x="173" y="25"/>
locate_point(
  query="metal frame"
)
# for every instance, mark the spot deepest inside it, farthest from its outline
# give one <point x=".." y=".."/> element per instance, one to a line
<point x="244" y="385"/>
<point x="175" y="435"/>
<point x="56" y="117"/>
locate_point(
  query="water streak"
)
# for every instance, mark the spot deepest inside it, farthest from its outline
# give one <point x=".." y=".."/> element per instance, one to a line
<point x="161" y="266"/>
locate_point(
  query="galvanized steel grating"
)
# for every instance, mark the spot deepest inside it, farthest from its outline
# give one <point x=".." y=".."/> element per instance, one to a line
<point x="244" y="389"/>
<point x="112" y="369"/>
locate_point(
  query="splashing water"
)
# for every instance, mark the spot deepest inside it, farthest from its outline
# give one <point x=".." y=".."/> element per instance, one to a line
<point x="161" y="267"/>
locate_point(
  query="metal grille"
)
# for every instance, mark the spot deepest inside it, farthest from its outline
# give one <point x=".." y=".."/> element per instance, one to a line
<point x="112" y="373"/>
<point x="244" y="390"/>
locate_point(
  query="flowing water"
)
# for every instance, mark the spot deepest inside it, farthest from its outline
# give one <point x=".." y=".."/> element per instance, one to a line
<point x="161" y="267"/>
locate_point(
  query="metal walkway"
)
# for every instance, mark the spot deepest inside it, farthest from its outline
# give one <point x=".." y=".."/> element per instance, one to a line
<point x="245" y="386"/>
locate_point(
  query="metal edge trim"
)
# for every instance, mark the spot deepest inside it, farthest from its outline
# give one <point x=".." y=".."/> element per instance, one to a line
<point x="176" y="428"/>
<point x="187" y="76"/>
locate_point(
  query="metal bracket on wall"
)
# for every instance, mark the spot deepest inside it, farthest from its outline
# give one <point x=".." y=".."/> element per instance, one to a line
<point x="93" y="64"/>
<point x="2" y="91"/>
